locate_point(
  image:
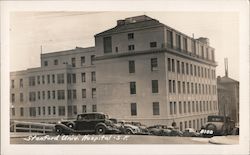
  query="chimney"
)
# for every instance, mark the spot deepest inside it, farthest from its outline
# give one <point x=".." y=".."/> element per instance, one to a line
<point x="226" y="66"/>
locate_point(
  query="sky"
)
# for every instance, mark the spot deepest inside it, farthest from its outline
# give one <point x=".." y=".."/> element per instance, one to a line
<point x="33" y="32"/>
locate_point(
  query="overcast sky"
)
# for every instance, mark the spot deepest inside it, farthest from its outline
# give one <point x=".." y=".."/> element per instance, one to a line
<point x="57" y="31"/>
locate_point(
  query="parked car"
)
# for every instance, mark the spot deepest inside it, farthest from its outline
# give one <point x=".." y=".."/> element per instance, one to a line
<point x="98" y="123"/>
<point x="190" y="132"/>
<point x="158" y="130"/>
<point x="217" y="125"/>
<point x="142" y="127"/>
<point x="126" y="127"/>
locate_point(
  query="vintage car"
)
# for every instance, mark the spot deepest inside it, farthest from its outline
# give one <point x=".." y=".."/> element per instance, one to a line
<point x="95" y="122"/>
<point x="125" y="127"/>
<point x="217" y="125"/>
<point x="164" y="130"/>
<point x="190" y="132"/>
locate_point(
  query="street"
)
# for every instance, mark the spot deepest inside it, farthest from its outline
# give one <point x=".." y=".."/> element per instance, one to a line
<point x="107" y="139"/>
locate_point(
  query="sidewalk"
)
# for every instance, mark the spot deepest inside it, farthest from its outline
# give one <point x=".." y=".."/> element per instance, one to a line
<point x="24" y="134"/>
<point x="224" y="140"/>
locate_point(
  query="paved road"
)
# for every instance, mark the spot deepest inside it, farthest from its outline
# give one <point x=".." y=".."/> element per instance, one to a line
<point x="107" y="139"/>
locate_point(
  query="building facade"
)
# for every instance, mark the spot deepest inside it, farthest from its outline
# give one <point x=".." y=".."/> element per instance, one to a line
<point x="141" y="70"/>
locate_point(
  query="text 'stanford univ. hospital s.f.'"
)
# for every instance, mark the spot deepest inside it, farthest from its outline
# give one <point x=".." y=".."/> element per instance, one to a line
<point x="140" y="70"/>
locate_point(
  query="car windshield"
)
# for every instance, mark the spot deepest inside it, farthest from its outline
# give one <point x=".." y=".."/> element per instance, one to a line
<point x="215" y="118"/>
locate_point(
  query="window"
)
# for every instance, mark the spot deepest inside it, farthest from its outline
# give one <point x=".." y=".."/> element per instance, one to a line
<point x="61" y="110"/>
<point x="68" y="78"/>
<point x="131" y="66"/>
<point x="169" y="64"/>
<point x="48" y="94"/>
<point x="21" y="83"/>
<point x="182" y="67"/>
<point x="43" y="95"/>
<point x="192" y="88"/>
<point x="116" y="49"/>
<point x="173" y="65"/>
<point x="207" y="53"/>
<point x="178" y="42"/>
<point x="83" y="77"/>
<point x="44" y="112"/>
<point x="185" y="107"/>
<point x="73" y="62"/>
<point x="32" y="96"/>
<point x="48" y="79"/>
<point x="70" y="110"/>
<point x="82" y="60"/>
<point x="55" y="62"/>
<point x="38" y="95"/>
<point x="130" y="36"/>
<point x="21" y="97"/>
<point x="156" y="108"/>
<point x="107" y="44"/>
<point x="153" y="44"/>
<point x="12" y="83"/>
<point x="60" y="94"/>
<point x="60" y="78"/>
<point x="43" y="79"/>
<point x="174" y="87"/>
<point x="54" y="110"/>
<point x="92" y="59"/>
<point x="175" y="111"/>
<point x="132" y="88"/>
<point x="32" y="81"/>
<point x="198" y="71"/>
<point x="45" y="63"/>
<point x="154" y="86"/>
<point x="38" y="79"/>
<point x="187" y="68"/>
<point x="185" y="44"/>
<point x="154" y="64"/>
<point x="183" y="88"/>
<point x="193" y="107"/>
<point x="178" y="66"/>
<point x="69" y="95"/>
<point x="74" y="94"/>
<point x="212" y="53"/>
<point x="185" y="124"/>
<point x="84" y="108"/>
<point x="131" y="47"/>
<point x="93" y="77"/>
<point x="194" y="124"/>
<point x="197" y="106"/>
<point x="195" y="73"/>
<point x="133" y="109"/>
<point x="180" y="107"/>
<point x="53" y="94"/>
<point x="13" y="111"/>
<point x="170" y="86"/>
<point x="73" y="78"/>
<point x="189" y="107"/>
<point x="53" y="78"/>
<point x="13" y="98"/>
<point x="169" y="38"/>
<point x="49" y="110"/>
<point x="32" y="111"/>
<point x="200" y="106"/>
<point x="21" y="111"/>
<point x="191" y="69"/>
<point x="202" y="52"/>
<point x="181" y="126"/>
<point x="189" y="124"/>
<point x="188" y="88"/>
<point x="196" y="88"/>
<point x="93" y="92"/>
<point x="179" y="87"/>
<point x="171" y="108"/>
<point x="94" y="108"/>
<point x="83" y="93"/>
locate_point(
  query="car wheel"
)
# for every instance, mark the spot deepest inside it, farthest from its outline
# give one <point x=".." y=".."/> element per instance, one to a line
<point x="100" y="130"/>
<point x="129" y="132"/>
<point x="59" y="131"/>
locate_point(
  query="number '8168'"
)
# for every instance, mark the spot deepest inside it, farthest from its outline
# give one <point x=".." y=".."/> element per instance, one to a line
<point x="209" y="132"/>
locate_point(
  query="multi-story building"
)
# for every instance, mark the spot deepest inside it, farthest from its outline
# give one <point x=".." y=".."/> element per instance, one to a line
<point x="228" y="96"/>
<point x="143" y="71"/>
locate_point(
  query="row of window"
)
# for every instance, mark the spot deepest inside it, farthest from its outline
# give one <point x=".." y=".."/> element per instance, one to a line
<point x="190" y="88"/>
<point x="195" y="124"/>
<point x="71" y="78"/>
<point x="184" y="107"/>
<point x="53" y="110"/>
<point x="73" y="61"/>
<point x="192" y="107"/>
<point x="54" y="94"/>
<point x="190" y="69"/>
